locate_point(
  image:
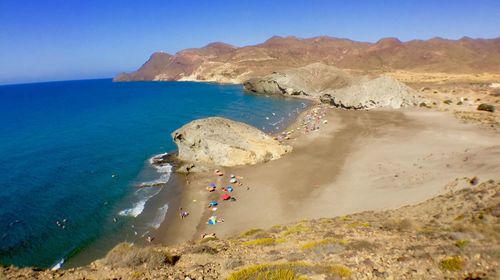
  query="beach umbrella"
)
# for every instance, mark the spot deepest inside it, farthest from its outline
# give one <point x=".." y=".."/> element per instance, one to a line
<point x="213" y="203"/>
<point x="212" y="185"/>
<point x="232" y="181"/>
<point x="229" y="189"/>
<point x="212" y="220"/>
<point x="232" y="176"/>
<point x="225" y="196"/>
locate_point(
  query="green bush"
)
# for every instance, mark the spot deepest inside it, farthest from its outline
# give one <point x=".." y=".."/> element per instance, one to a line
<point x="451" y="263"/>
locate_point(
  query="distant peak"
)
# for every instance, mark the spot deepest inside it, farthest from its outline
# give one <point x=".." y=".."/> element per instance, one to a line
<point x="278" y="39"/>
<point x="219" y="45"/>
<point x="160" y="54"/>
<point x="389" y="41"/>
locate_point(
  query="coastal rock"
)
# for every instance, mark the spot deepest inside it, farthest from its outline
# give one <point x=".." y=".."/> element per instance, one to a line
<point x="219" y="141"/>
<point x="381" y="92"/>
<point x="335" y="87"/>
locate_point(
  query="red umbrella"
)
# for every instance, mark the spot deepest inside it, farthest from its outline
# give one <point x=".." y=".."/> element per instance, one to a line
<point x="225" y="196"/>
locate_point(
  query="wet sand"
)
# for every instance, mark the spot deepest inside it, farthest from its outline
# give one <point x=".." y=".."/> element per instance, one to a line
<point x="360" y="160"/>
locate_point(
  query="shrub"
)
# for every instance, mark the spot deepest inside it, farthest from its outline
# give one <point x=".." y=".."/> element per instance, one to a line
<point x="486" y="107"/>
<point x="461" y="243"/>
<point x="263" y="242"/>
<point x="127" y="255"/>
<point x="250" y="232"/>
<point x="451" y="263"/>
<point x="299" y="228"/>
<point x="290" y="270"/>
<point x="317" y="243"/>
<point x="361" y="245"/>
<point x="399" y="225"/>
<point x="359" y="225"/>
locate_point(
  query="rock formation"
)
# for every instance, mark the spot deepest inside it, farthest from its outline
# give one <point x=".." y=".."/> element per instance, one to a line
<point x="219" y="141"/>
<point x="333" y="86"/>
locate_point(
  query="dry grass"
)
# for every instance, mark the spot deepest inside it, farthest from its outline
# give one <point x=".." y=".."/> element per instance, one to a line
<point x="127" y="255"/>
<point x="263" y="242"/>
<point x="289" y="271"/>
<point x="250" y="232"/>
<point x="454" y="263"/>
<point x="299" y="228"/>
<point x="461" y="243"/>
<point x="359" y="225"/>
<point x="399" y="225"/>
<point x="317" y="243"/>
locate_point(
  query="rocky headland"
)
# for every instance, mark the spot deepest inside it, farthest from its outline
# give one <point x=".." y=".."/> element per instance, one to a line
<point x="335" y="87"/>
<point x="451" y="75"/>
<point x="218" y="141"/>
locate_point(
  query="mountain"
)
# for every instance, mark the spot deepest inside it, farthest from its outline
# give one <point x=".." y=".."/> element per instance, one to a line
<point x="219" y="62"/>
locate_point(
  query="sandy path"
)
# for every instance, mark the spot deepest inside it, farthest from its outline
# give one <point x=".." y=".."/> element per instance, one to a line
<point x="363" y="160"/>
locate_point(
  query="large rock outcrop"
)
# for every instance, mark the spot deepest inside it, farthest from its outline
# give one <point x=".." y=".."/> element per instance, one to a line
<point x="333" y="86"/>
<point x="219" y="141"/>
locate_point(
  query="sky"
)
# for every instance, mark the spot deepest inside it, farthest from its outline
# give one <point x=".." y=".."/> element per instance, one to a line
<point x="69" y="39"/>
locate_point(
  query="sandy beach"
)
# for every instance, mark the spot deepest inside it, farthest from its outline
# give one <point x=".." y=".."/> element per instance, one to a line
<point x="358" y="161"/>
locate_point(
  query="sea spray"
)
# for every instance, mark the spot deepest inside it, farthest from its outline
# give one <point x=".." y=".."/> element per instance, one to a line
<point x="160" y="216"/>
<point x="149" y="189"/>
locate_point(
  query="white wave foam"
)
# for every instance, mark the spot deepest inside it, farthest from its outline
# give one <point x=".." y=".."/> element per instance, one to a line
<point x="134" y="211"/>
<point x="58" y="265"/>
<point x="160" y="216"/>
<point x="165" y="170"/>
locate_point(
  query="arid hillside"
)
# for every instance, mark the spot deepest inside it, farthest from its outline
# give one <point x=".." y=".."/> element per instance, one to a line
<point x="219" y="62"/>
<point x="452" y="236"/>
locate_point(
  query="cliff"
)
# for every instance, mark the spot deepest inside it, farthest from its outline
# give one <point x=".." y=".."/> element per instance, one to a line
<point x="219" y="62"/>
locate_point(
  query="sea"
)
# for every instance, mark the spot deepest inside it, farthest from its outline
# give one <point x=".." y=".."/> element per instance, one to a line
<point x="74" y="153"/>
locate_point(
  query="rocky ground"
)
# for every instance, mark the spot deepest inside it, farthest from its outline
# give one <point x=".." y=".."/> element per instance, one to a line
<point x="452" y="236"/>
<point x="460" y="94"/>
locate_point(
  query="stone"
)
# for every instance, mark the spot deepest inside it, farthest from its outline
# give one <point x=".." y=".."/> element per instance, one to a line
<point x="486" y="107"/>
<point x="222" y="142"/>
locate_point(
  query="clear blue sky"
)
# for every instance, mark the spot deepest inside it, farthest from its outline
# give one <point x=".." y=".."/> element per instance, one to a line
<point x="68" y="39"/>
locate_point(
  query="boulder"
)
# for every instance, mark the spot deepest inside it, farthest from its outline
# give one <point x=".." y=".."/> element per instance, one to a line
<point x="223" y="142"/>
<point x="326" y="99"/>
<point x="486" y="107"/>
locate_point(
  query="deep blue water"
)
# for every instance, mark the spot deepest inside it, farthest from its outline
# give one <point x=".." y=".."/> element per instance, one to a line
<point x="76" y="150"/>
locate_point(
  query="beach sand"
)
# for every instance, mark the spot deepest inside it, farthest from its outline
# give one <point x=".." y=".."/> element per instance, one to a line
<point x="358" y="161"/>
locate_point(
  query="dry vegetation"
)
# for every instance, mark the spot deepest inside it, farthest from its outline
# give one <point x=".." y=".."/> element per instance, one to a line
<point x="453" y="236"/>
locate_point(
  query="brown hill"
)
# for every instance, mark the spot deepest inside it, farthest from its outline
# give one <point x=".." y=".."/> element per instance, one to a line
<point x="220" y="62"/>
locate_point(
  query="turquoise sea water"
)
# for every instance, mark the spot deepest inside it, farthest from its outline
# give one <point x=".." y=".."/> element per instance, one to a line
<point x="73" y="153"/>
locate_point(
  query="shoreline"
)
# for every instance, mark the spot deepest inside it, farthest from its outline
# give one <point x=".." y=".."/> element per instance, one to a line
<point x="354" y="175"/>
<point x="193" y="198"/>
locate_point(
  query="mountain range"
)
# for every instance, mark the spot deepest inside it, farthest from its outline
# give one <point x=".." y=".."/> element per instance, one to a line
<point x="224" y="63"/>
